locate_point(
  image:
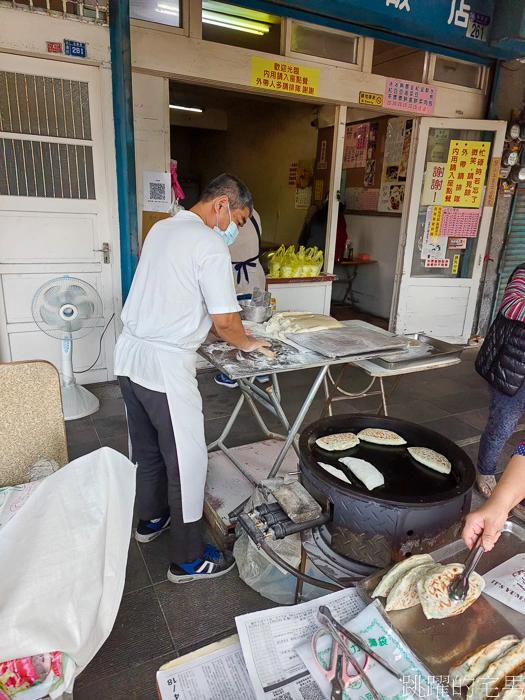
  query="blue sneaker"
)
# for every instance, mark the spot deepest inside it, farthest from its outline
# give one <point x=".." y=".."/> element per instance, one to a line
<point x="212" y="564"/>
<point x="148" y="530"/>
<point x="224" y="380"/>
<point x="263" y="378"/>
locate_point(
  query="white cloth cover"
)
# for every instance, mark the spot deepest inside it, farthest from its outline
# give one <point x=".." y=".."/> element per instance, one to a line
<point x="63" y="559"/>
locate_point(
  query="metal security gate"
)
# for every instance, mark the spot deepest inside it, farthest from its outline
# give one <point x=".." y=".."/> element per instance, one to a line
<point x="514" y="251"/>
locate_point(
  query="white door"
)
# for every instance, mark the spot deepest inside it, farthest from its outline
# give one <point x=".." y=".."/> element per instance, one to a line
<point x="55" y="210"/>
<point x="445" y="226"/>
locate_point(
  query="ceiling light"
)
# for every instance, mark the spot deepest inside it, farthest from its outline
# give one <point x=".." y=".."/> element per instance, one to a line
<point x="237" y="23"/>
<point x="231" y="26"/>
<point x="186" y="109"/>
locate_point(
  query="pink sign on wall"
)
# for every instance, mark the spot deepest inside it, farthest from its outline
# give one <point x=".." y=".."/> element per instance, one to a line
<point x="408" y="96"/>
<point x="459" y="222"/>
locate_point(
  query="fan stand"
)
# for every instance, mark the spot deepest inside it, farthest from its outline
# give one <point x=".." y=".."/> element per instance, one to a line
<point x="77" y="402"/>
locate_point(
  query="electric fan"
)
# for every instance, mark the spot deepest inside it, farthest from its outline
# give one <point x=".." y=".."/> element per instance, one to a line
<point x="68" y="308"/>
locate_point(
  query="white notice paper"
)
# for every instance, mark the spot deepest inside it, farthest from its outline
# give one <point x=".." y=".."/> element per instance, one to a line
<point x="219" y="675"/>
<point x="506" y="583"/>
<point x="269" y="640"/>
<point x="157" y="191"/>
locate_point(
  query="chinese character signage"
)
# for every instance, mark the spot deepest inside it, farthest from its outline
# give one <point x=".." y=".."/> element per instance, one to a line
<point x="356" y="145"/>
<point x="54" y="47"/>
<point x="412" y="97"/>
<point x="285" y="77"/>
<point x="439" y="262"/>
<point x="75" y="48"/>
<point x="434" y="183"/>
<point x="466" y="169"/>
<point x="435" y="221"/>
<point x="460" y="222"/>
<point x="370" y="98"/>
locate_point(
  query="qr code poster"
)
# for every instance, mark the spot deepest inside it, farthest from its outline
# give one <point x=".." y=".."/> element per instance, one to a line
<point x="157" y="191"/>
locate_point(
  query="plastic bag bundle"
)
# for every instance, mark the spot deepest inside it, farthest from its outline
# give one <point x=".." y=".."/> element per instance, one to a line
<point x="305" y="263"/>
<point x="288" y="264"/>
<point x="275" y="263"/>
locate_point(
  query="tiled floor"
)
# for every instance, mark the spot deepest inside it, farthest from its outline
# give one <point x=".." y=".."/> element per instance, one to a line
<point x="158" y="621"/>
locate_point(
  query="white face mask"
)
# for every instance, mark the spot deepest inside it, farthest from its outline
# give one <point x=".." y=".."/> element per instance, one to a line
<point x="232" y="230"/>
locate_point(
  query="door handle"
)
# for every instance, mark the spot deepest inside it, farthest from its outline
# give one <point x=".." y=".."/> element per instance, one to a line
<point x="105" y="250"/>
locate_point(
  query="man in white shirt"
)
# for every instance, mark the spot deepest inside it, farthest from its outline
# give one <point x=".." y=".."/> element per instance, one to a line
<point x="183" y="285"/>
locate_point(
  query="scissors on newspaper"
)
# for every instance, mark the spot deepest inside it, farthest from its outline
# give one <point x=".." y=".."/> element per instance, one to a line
<point x="335" y="668"/>
<point x="340" y="648"/>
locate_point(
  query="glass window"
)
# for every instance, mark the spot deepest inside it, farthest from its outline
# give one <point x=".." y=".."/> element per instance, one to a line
<point x="315" y="41"/>
<point x="448" y="70"/>
<point x="451" y="202"/>
<point x="159" y="11"/>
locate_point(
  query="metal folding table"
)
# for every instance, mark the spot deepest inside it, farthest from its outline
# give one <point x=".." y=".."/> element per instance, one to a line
<point x="244" y="367"/>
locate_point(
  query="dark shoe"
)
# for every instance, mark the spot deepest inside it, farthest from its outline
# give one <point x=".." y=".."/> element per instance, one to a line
<point x="212" y="564"/>
<point x="224" y="380"/>
<point x="148" y="530"/>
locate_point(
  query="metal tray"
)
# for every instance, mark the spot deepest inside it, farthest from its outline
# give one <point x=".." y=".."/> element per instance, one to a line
<point x="348" y="341"/>
<point x="431" y="350"/>
<point x="439" y="643"/>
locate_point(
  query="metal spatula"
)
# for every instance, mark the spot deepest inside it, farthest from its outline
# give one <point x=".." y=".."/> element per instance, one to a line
<point x="458" y="587"/>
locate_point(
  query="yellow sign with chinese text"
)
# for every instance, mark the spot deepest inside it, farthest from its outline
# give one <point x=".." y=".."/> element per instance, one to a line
<point x="455" y="264"/>
<point x="370" y="98"/>
<point x="435" y="221"/>
<point x="283" y="77"/>
<point x="466" y="171"/>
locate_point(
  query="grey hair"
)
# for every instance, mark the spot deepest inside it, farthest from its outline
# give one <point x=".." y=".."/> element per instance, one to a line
<point x="238" y="194"/>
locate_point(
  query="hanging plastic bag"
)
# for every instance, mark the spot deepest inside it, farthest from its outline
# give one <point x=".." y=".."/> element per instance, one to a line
<point x="275" y="263"/>
<point x="289" y="263"/>
<point x="317" y="263"/>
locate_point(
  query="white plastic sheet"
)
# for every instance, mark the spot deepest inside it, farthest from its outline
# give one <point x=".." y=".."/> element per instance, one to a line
<point x="63" y="559"/>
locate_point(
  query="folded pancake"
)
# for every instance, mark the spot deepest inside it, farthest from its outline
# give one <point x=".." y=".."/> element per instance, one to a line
<point x="396" y="572"/>
<point x="338" y="473"/>
<point x="476" y="662"/>
<point x="364" y="471"/>
<point x="339" y="441"/>
<point x="514" y="688"/>
<point x="431" y="459"/>
<point x="494" y="677"/>
<point x="404" y="593"/>
<point x="433" y="592"/>
<point x="381" y="437"/>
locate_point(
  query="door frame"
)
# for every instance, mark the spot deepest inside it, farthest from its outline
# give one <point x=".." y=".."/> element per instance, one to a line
<point x="104" y="207"/>
<point x="411" y="212"/>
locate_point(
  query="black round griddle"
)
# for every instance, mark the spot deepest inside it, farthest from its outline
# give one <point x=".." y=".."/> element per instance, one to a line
<point x="406" y="480"/>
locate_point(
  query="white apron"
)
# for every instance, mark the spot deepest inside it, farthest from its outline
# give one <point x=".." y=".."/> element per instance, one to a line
<point x="247" y="270"/>
<point x="185" y="403"/>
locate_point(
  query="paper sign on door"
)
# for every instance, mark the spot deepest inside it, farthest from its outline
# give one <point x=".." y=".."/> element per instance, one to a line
<point x="465" y="177"/>
<point x="434" y="184"/>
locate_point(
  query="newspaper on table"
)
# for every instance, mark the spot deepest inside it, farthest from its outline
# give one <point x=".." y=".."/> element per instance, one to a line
<point x="270" y="638"/>
<point x="506" y="583"/>
<point x="374" y="628"/>
<point x="216" y="672"/>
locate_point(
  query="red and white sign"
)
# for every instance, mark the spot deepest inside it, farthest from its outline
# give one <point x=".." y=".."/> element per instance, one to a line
<point x="409" y="96"/>
<point x="54" y="47"/>
<point x="433" y="262"/>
